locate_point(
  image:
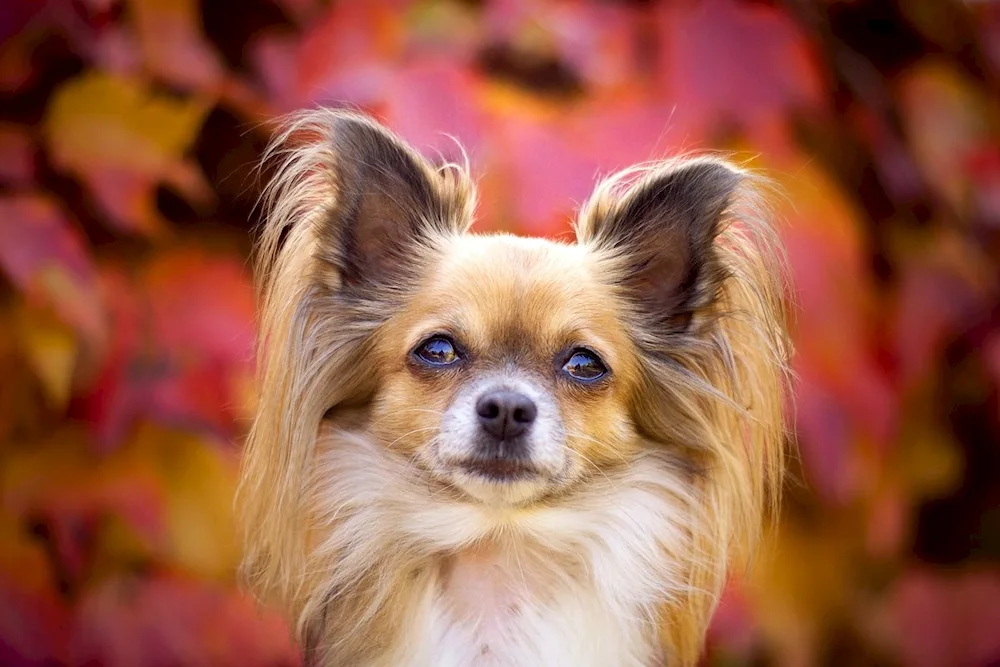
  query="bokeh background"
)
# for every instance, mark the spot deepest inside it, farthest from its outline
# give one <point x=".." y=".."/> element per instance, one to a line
<point x="129" y="134"/>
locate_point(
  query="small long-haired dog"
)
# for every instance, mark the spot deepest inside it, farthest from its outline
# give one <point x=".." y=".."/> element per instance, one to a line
<point x="492" y="450"/>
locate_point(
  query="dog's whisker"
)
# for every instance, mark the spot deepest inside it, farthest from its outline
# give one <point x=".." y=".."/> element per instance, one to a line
<point x="400" y="411"/>
<point x="605" y="447"/>
<point x="409" y="433"/>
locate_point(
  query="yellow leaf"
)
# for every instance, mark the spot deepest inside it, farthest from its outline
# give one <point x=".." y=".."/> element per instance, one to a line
<point x="121" y="138"/>
<point x="119" y="121"/>
<point x="801" y="589"/>
<point x="50" y="347"/>
<point x="198" y="479"/>
<point x="62" y="478"/>
<point x="929" y="462"/>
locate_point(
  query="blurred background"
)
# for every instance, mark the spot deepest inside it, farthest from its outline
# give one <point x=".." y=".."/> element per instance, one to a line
<point x="129" y="134"/>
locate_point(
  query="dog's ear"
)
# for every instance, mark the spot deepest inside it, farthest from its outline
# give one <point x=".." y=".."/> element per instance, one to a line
<point x="658" y="225"/>
<point x="389" y="203"/>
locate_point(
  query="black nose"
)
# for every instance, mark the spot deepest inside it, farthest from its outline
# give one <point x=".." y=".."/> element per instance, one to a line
<point x="505" y="414"/>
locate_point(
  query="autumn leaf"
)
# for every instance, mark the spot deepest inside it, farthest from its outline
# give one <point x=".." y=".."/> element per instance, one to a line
<point x="50" y="346"/>
<point x="173" y="46"/>
<point x="948" y="121"/>
<point x="187" y="317"/>
<point x="45" y="257"/>
<point x="169" y="620"/>
<point x="17" y="160"/>
<point x="803" y="586"/>
<point x="181" y="353"/>
<point x="945" y="619"/>
<point x="164" y="497"/>
<point x="733" y="635"/>
<point x="345" y="55"/>
<point x="60" y="483"/>
<point x="574" y="145"/>
<point x="126" y="342"/>
<point x="123" y="139"/>
<point x="434" y="93"/>
<point x="34" y="620"/>
<point x="943" y="281"/>
<point x="197" y="478"/>
<point x="726" y="62"/>
<point x="597" y="41"/>
<point x="845" y="399"/>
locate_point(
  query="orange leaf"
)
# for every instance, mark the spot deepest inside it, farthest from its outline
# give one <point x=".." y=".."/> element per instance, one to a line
<point x="346" y="55"/>
<point x="183" y="346"/>
<point x="845" y="398"/>
<point x="34" y="621"/>
<point x="63" y="484"/>
<point x="596" y="39"/>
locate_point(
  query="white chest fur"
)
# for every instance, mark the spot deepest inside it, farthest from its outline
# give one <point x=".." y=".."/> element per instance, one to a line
<point x="488" y="608"/>
<point x="443" y="583"/>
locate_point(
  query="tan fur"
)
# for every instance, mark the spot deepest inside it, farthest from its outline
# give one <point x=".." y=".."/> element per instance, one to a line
<point x="377" y="556"/>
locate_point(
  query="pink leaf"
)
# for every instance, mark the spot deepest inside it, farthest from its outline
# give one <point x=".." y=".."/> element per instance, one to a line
<point x="727" y="61"/>
<point x="17" y="155"/>
<point x="45" y="256"/>
<point x="946" y="620"/>
<point x="166" y="621"/>
<point x="183" y="345"/>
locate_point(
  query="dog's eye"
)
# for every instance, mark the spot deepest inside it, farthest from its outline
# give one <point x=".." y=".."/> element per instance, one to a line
<point x="585" y="365"/>
<point x="437" y="351"/>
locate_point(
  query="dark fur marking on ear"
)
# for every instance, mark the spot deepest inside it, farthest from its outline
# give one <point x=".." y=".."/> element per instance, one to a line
<point x="388" y="199"/>
<point x="663" y="228"/>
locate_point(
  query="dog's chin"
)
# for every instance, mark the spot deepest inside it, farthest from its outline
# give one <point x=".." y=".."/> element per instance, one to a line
<point x="500" y="483"/>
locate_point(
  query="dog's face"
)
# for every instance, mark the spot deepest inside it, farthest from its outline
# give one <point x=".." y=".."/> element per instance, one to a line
<point x="509" y="371"/>
<point x="512" y="367"/>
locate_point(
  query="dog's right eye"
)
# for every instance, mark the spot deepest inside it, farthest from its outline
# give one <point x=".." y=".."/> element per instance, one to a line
<point x="437" y="351"/>
<point x="584" y="365"/>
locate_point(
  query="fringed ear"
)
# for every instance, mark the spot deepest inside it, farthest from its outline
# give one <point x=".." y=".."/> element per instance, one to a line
<point x="351" y="211"/>
<point x="388" y="200"/>
<point x="660" y="224"/>
<point x="680" y="240"/>
<point x="367" y="199"/>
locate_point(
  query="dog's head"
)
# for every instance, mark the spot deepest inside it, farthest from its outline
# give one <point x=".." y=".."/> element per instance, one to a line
<point x="513" y="371"/>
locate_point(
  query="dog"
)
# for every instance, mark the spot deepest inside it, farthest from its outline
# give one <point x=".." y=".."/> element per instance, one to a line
<point x="495" y="450"/>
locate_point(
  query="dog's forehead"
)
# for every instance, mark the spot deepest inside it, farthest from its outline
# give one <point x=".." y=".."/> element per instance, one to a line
<point x="507" y="276"/>
<point x="507" y="292"/>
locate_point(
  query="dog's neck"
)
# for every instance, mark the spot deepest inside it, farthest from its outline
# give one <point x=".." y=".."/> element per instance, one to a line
<point x="410" y="577"/>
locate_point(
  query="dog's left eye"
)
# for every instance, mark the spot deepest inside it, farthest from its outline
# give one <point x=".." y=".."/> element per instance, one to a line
<point x="585" y="365"/>
<point x="437" y="351"/>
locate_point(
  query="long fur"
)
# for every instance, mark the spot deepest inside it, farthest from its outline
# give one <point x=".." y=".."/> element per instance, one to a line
<point x="355" y="546"/>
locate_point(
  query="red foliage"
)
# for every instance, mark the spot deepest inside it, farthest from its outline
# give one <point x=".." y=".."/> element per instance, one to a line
<point x="127" y="137"/>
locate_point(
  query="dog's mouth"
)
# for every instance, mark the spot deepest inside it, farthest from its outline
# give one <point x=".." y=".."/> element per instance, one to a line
<point x="499" y="470"/>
